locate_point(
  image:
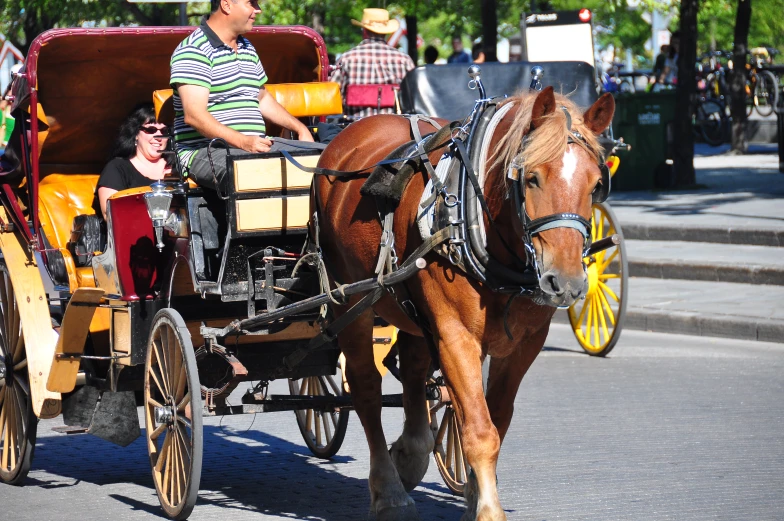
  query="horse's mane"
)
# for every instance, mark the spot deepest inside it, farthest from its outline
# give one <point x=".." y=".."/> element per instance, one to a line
<point x="549" y="141"/>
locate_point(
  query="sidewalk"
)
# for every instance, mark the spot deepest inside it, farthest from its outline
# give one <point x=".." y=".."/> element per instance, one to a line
<point x="709" y="261"/>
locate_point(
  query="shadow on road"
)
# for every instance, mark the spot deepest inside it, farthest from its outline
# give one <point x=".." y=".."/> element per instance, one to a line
<point x="248" y="471"/>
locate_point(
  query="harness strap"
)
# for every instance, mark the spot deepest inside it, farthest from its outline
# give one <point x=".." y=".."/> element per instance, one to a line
<point x="466" y="160"/>
<point x="560" y="220"/>
<point x="436" y="141"/>
<point x="387" y="257"/>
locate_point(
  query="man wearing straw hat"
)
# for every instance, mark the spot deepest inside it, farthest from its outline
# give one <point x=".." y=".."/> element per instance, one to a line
<point x="370" y="73"/>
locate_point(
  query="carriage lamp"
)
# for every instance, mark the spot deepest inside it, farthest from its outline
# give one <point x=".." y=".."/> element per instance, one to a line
<point x="158" y="202"/>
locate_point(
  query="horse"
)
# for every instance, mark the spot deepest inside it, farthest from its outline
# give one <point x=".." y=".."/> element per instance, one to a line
<point x="557" y="148"/>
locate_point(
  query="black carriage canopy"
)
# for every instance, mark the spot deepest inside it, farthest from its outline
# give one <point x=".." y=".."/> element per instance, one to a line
<point x="89" y="81"/>
<point x="442" y="90"/>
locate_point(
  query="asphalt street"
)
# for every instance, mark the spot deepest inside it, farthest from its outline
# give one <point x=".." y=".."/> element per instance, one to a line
<point x="667" y="427"/>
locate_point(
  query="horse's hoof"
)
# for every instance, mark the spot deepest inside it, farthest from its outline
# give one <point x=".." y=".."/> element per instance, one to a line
<point x="404" y="513"/>
<point x="411" y="467"/>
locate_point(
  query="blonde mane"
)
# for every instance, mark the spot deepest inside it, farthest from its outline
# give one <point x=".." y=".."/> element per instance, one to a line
<point x="549" y="141"/>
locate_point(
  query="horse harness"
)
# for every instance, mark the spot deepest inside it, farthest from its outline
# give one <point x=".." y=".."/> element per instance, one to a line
<point x="458" y="223"/>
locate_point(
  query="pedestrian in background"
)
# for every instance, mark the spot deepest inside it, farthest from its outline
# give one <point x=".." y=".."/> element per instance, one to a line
<point x="431" y="55"/>
<point x="458" y="55"/>
<point x="370" y="73"/>
<point x="478" y="53"/>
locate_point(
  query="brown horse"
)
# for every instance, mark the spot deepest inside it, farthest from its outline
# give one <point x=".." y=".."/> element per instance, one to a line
<point x="466" y="318"/>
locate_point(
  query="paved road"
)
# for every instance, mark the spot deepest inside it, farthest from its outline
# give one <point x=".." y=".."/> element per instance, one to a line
<point x="669" y="427"/>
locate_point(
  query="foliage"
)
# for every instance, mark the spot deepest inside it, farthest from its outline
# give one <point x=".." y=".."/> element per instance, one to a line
<point x="716" y="24"/>
<point x="22" y="20"/>
<point x="618" y="23"/>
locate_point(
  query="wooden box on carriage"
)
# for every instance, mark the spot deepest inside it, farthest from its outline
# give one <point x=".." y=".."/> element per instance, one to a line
<point x="268" y="195"/>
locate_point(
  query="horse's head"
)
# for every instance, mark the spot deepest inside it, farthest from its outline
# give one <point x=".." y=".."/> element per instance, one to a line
<point x="554" y="147"/>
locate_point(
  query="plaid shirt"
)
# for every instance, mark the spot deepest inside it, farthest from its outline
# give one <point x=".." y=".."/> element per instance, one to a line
<point x="372" y="61"/>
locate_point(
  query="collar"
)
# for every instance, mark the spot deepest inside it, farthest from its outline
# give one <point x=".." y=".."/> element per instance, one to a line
<point x="214" y="39"/>
<point x="367" y="41"/>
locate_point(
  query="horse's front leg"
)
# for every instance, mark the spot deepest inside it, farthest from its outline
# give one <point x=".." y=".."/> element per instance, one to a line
<point x="505" y="377"/>
<point x="460" y="354"/>
<point x="388" y="498"/>
<point x="411" y="451"/>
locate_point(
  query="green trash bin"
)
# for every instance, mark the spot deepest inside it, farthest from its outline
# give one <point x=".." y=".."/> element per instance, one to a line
<point x="644" y="121"/>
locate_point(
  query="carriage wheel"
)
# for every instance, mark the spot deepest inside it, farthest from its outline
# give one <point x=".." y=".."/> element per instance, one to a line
<point x="597" y="321"/>
<point x="173" y="414"/>
<point x="18" y="423"/>
<point x="323" y="431"/>
<point x="448" y="449"/>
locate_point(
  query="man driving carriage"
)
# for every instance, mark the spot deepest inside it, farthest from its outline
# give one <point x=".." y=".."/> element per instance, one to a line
<point x="218" y="83"/>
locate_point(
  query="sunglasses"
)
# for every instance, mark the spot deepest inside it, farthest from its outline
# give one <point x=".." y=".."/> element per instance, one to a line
<point x="154" y="130"/>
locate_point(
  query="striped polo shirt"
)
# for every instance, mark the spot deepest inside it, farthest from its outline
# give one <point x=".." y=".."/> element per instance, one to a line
<point x="234" y="80"/>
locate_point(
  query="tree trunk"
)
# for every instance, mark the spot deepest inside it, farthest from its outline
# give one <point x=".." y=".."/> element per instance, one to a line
<point x="411" y="36"/>
<point x="686" y="95"/>
<point x="490" y="30"/>
<point x="738" y="78"/>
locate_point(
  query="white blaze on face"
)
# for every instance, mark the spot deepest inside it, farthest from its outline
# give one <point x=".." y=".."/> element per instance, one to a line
<point x="569" y="165"/>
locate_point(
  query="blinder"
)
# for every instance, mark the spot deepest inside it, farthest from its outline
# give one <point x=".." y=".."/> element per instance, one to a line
<point x="602" y="190"/>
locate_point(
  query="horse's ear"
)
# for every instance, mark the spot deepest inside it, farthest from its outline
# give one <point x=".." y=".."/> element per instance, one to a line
<point x="600" y="115"/>
<point x="544" y="105"/>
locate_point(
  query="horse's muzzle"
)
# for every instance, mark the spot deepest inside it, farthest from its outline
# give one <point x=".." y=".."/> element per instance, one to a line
<point x="562" y="291"/>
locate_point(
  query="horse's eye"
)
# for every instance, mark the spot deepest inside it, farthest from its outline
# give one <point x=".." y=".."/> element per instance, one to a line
<point x="532" y="181"/>
<point x="597" y="188"/>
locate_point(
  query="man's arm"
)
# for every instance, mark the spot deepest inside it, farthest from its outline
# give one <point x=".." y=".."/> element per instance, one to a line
<point x="194" y="104"/>
<point x="275" y="113"/>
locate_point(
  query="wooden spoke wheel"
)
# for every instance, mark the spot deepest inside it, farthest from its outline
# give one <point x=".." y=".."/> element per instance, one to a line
<point x="18" y="423"/>
<point x="598" y="320"/>
<point x="173" y="414"/>
<point x="448" y="449"/>
<point x="323" y="431"/>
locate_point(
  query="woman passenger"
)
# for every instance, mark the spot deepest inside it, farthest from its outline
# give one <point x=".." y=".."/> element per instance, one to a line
<point x="138" y="156"/>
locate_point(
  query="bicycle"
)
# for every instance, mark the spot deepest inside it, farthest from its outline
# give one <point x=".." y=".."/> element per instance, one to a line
<point x="762" y="92"/>
<point x="711" y="121"/>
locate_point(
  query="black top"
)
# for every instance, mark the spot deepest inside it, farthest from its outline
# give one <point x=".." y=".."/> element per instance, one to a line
<point x="119" y="174"/>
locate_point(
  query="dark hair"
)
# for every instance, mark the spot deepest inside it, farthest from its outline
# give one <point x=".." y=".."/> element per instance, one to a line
<point x="476" y="50"/>
<point x="431" y="54"/>
<point x="125" y="146"/>
<point x="214" y="5"/>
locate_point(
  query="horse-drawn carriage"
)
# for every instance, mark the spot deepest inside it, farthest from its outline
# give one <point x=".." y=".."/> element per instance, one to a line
<point x="192" y="292"/>
<point x="148" y="307"/>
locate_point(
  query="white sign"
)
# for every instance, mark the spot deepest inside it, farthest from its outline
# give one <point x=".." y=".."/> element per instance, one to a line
<point x="572" y="42"/>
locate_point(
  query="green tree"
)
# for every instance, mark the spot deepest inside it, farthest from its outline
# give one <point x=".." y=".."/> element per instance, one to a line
<point x="22" y="20"/>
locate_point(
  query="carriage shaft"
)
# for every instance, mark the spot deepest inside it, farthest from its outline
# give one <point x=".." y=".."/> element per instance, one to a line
<point x="346" y="290"/>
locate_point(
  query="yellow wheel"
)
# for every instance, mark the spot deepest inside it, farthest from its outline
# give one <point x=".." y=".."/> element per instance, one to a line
<point x="597" y="321"/>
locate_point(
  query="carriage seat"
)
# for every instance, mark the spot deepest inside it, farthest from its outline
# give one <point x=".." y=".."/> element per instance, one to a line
<point x="318" y="98"/>
<point x="63" y="197"/>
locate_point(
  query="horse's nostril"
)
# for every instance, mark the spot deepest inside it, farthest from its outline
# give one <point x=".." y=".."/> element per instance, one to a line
<point x="551" y="284"/>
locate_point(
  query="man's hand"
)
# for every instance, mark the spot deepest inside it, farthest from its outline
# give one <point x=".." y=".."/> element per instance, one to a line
<point x="303" y="134"/>
<point x="256" y="144"/>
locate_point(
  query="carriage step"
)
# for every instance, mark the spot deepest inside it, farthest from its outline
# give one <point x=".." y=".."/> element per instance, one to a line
<point x="70" y="429"/>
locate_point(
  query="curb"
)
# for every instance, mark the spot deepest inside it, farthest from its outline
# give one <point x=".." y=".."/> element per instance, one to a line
<point x="715" y="272"/>
<point x="699" y="324"/>
<point x="714" y="234"/>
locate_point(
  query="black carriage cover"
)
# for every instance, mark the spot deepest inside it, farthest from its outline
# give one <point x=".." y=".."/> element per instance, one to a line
<point x="442" y="90"/>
